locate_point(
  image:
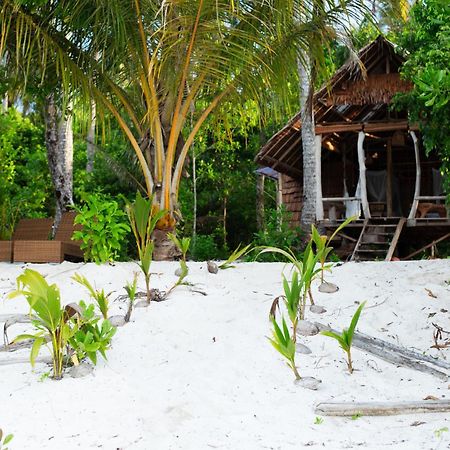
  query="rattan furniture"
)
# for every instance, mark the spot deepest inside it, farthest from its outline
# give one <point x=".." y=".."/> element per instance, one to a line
<point x="57" y="250"/>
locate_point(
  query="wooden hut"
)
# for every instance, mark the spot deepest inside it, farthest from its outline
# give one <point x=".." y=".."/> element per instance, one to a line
<point x="372" y="161"/>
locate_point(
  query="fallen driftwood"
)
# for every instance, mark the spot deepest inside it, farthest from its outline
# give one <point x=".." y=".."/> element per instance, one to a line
<point x="11" y="320"/>
<point x="382" y="408"/>
<point x="398" y="355"/>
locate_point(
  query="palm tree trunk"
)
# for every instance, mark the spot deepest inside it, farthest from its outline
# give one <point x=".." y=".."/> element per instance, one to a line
<point x="59" y="143"/>
<point x="260" y="222"/>
<point x="309" y="209"/>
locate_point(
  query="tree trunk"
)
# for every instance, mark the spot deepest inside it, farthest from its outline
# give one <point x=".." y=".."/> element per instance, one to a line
<point x="59" y="143"/>
<point x="90" y="144"/>
<point x="260" y="223"/>
<point x="194" y="212"/>
<point x="309" y="209"/>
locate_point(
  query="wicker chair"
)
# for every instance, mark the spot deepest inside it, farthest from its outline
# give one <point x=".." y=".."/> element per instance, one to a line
<point x="26" y="230"/>
<point x="41" y="250"/>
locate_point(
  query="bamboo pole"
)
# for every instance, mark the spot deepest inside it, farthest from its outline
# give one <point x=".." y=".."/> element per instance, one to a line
<point x="362" y="175"/>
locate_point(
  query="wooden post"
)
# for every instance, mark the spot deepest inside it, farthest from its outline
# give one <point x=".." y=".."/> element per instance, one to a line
<point x="260" y="219"/>
<point x="319" y="202"/>
<point x="279" y="199"/>
<point x="362" y="175"/>
<point x="390" y="176"/>
<point x="415" y="202"/>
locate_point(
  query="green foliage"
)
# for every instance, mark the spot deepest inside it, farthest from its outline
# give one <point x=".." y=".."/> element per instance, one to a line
<point x="284" y="344"/>
<point x="130" y="289"/>
<point x="322" y="243"/>
<point x="205" y="248"/>
<point x="25" y="186"/>
<point x="345" y="339"/>
<point x="143" y="218"/>
<point x="48" y="317"/>
<point x="426" y="39"/>
<point x="104" y="228"/>
<point x="279" y="233"/>
<point x="237" y="253"/>
<point x="305" y="268"/>
<point x="439" y="432"/>
<point x="90" y="337"/>
<point x="101" y="299"/>
<point x="318" y="420"/>
<point x="5" y="440"/>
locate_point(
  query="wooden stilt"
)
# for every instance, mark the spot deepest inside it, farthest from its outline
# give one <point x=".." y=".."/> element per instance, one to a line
<point x="362" y="175"/>
<point x="415" y="203"/>
<point x="389" y="180"/>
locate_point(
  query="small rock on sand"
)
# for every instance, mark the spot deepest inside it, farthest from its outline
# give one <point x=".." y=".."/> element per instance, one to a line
<point x="306" y="328"/>
<point x="317" y="309"/>
<point x="309" y="383"/>
<point x="328" y="288"/>
<point x="117" y="321"/>
<point x="80" y="371"/>
<point x="300" y="348"/>
<point x="212" y="267"/>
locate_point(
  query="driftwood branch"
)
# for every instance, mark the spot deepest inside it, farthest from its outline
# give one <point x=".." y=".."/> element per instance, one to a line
<point x="382" y="408"/>
<point x="397" y="355"/>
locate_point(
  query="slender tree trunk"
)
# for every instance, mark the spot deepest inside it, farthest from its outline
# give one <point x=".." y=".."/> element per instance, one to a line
<point x="90" y="145"/>
<point x="194" y="213"/>
<point x="59" y="143"/>
<point x="309" y="209"/>
<point x="5" y="103"/>
<point x="260" y="222"/>
<point x="225" y="222"/>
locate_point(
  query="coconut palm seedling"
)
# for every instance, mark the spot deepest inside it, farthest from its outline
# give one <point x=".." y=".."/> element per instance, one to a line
<point x="52" y="321"/>
<point x="345" y="338"/>
<point x="143" y="219"/>
<point x="238" y="253"/>
<point x="322" y="244"/>
<point x="100" y="297"/>
<point x="282" y="341"/>
<point x="183" y="246"/>
<point x="131" y="289"/>
<point x="292" y="298"/>
<point x="306" y="269"/>
<point x="4" y="441"/>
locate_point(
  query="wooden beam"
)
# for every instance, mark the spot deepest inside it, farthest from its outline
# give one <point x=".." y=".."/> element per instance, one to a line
<point x="415" y="203"/>
<point x="289" y="170"/>
<point x="362" y="175"/>
<point x="370" y="127"/>
<point x="318" y="151"/>
<point x="395" y="239"/>
<point x="443" y="238"/>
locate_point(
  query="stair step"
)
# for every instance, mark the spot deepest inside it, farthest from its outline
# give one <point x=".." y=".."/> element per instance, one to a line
<point x="363" y="250"/>
<point x="381" y="225"/>
<point x="374" y="243"/>
<point x="380" y="234"/>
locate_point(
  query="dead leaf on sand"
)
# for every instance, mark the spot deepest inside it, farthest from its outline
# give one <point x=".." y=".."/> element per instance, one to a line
<point x="430" y="294"/>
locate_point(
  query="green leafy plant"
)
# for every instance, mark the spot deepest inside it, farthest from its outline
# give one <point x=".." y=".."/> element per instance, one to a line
<point x="104" y="228"/>
<point x="438" y="433"/>
<point x="143" y="219"/>
<point x="91" y="337"/>
<point x="282" y="342"/>
<point x="318" y="420"/>
<point x="4" y="441"/>
<point x="99" y="296"/>
<point x="279" y="233"/>
<point x="292" y="297"/>
<point x="130" y="289"/>
<point x="238" y="253"/>
<point x="356" y="416"/>
<point x="183" y="247"/>
<point x="322" y="243"/>
<point x="306" y="272"/>
<point x="50" y="319"/>
<point x="345" y="339"/>
<point x="204" y="248"/>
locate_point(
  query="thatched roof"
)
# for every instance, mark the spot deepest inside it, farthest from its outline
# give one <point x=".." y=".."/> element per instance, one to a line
<point x="358" y="93"/>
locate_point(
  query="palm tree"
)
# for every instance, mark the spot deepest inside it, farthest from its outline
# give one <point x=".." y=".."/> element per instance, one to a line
<point x="159" y="62"/>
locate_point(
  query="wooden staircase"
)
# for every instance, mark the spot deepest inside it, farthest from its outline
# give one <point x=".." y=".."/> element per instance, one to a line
<point x="378" y="239"/>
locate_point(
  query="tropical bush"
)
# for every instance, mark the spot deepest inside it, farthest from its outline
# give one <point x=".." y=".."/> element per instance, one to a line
<point x="104" y="228"/>
<point x="71" y="332"/>
<point x="279" y="233"/>
<point x="204" y="248"/>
